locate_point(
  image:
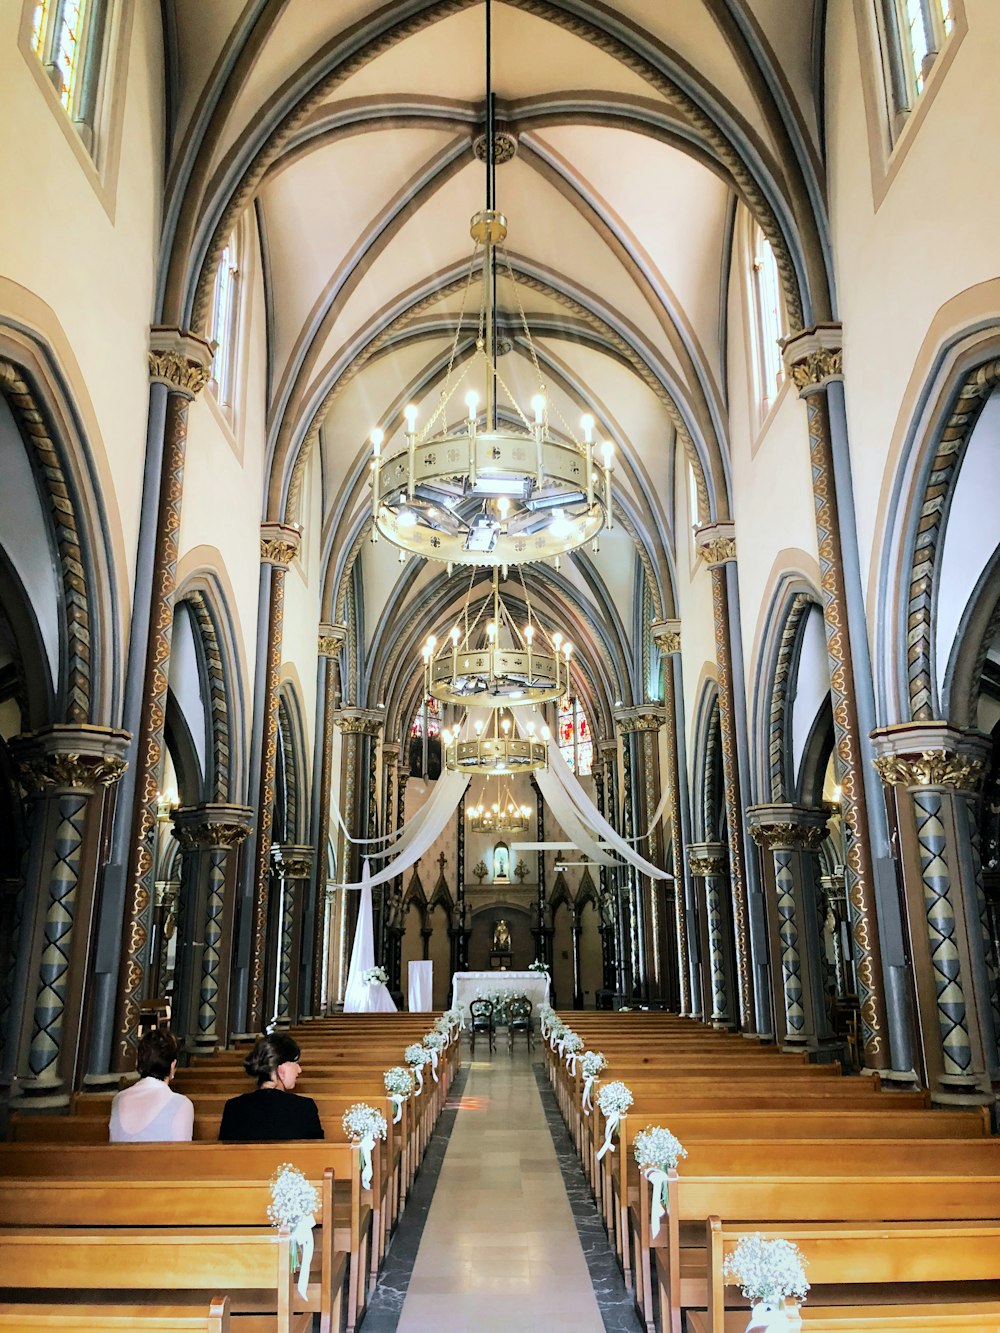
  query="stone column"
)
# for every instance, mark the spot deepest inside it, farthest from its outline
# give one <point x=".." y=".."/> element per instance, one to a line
<point x="329" y="643"/>
<point x="933" y="773"/>
<point x="292" y="868"/>
<point x="814" y="359"/>
<point x="634" y="926"/>
<point x="608" y="751"/>
<point x="279" y="544"/>
<point x="789" y="837"/>
<point x="577" y="930"/>
<point x="68" y="773"/>
<point x="460" y="904"/>
<point x="210" y="837"/>
<point x="717" y="543"/>
<point x="667" y="638"/>
<point x="182" y="362"/>
<point x="709" y="863"/>
<point x="358" y="727"/>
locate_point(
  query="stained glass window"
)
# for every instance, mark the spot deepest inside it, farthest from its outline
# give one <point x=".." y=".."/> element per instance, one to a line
<point x="223" y="326"/>
<point x="769" y="318"/>
<point x="576" y="744"/>
<point x="921" y="28"/>
<point x="433" y="719"/>
<point x="60" y="37"/>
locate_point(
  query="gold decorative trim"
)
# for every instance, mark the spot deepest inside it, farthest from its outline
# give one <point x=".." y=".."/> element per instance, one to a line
<point x="716" y="543"/>
<point x="704" y="864"/>
<point x="279" y="544"/>
<point x="330" y="640"/>
<point x="931" y="768"/>
<point x="780" y="837"/>
<point x="359" y="723"/>
<point x="667" y="636"/>
<point x="181" y="361"/>
<point x="814" y="357"/>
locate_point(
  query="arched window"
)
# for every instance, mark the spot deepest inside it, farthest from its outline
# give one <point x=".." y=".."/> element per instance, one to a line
<point x="223" y="325"/>
<point x="68" y="38"/>
<point x="576" y="744"/>
<point x="913" y="34"/>
<point x="425" y="740"/>
<point x="768" y="321"/>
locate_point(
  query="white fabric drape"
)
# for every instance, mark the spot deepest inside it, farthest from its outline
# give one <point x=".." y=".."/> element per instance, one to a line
<point x="569" y="821"/>
<point x="421" y="837"/>
<point x="359" y="996"/>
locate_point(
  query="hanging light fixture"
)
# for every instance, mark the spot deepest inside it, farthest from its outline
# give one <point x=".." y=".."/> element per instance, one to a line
<point x="484" y="493"/>
<point x="496" y="749"/>
<point x="503" y="815"/>
<point x="499" y="663"/>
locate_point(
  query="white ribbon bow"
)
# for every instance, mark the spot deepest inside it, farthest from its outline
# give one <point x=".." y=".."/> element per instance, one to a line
<point x="398" y="1098"/>
<point x="588" y="1088"/>
<point x="419" y="1073"/>
<point x="367" y="1144"/>
<point x="612" y="1125"/>
<point x="302" y="1236"/>
<point x="562" y="1047"/>
<point x="659" y="1181"/>
<point x="571" y="1060"/>
<point x="434" y="1065"/>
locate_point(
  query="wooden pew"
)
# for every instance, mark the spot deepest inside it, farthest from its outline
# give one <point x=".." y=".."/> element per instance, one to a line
<point x="841" y="1257"/>
<point x="37" y="1318"/>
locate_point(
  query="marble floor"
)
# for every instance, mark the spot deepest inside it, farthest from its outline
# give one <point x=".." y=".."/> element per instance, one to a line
<point x="499" y="1243"/>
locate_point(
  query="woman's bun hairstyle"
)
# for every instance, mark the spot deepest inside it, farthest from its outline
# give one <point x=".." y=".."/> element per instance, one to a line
<point x="268" y="1053"/>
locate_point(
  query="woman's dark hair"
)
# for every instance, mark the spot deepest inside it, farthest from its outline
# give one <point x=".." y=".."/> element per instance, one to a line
<point x="157" y="1052"/>
<point x="268" y="1053"/>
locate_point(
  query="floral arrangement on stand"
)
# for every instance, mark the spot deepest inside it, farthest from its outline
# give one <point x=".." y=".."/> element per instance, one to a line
<point x="294" y="1203"/>
<point x="657" y="1151"/>
<point x="364" y="1124"/>
<point x="375" y="976"/>
<point x="772" y="1276"/>
<point x="416" y="1057"/>
<point x="592" y="1063"/>
<point x="434" y="1043"/>
<point x="399" y="1084"/>
<point x="498" y="999"/>
<point x="614" y="1099"/>
<point x="538" y="966"/>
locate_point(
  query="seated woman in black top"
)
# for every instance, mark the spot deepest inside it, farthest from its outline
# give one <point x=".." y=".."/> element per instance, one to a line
<point x="274" y="1111"/>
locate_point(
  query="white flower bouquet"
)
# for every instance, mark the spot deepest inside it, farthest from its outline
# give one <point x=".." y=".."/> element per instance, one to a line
<point x="416" y="1057"/>
<point x="570" y="1044"/>
<point x="614" y="1099"/>
<point x="434" y="1041"/>
<point x="294" y="1201"/>
<point x="556" y="1029"/>
<point x="768" y="1271"/>
<point x="657" y="1151"/>
<point x="375" y="976"/>
<point x="398" y="1084"/>
<point x="364" y="1124"/>
<point x="538" y="966"/>
<point x="592" y="1063"/>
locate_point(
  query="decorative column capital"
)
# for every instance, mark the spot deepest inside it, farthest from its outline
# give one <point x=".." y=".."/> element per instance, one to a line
<point x="708" y="858"/>
<point x="292" y="861"/>
<point x="212" y="827"/>
<point x="930" y="754"/>
<point x="279" y="543"/>
<point x="359" y="721"/>
<point x="717" y="543"/>
<point x="644" y="717"/>
<point x="787" y="827"/>
<point x="70" y="758"/>
<point x="667" y="636"/>
<point x="390" y="752"/>
<point x="181" y="361"/>
<point x="814" y="357"/>
<point x="607" y="749"/>
<point x="331" y="639"/>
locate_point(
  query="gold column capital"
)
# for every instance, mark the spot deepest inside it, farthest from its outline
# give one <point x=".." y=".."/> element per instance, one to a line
<point x="359" y="721"/>
<point x="279" y="543"/>
<point x="644" y="717"/>
<point x="293" y="862"/>
<point x="716" y="543"/>
<point x="212" y="825"/>
<point x="787" y="826"/>
<point x="70" y="758"/>
<point x="930" y="754"/>
<point x="814" y="357"/>
<point x="708" y="858"/>
<point x="182" y="361"/>
<point x="330" y="639"/>
<point x="667" y="636"/>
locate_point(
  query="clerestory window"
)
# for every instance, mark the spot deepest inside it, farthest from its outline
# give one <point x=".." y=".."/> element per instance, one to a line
<point x="769" y="325"/>
<point x="223" y="325"/>
<point x="68" y="37"/>
<point x="913" y="34"/>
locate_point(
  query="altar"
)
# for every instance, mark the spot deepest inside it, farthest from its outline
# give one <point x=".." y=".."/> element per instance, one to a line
<point x="465" y="986"/>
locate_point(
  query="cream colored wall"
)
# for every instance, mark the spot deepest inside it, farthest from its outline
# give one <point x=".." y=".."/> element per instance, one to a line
<point x="92" y="266"/>
<point x="932" y="236"/>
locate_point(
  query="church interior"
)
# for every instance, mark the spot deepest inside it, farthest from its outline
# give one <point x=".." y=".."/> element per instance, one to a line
<point x="504" y="494"/>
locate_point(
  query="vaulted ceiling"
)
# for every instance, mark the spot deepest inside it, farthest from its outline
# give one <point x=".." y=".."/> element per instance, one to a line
<point x="349" y="129"/>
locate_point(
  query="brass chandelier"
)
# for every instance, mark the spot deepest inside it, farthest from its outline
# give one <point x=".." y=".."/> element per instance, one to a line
<point x="485" y="492"/>
<point x="504" y="815"/>
<point x="496" y="749"/>
<point x="499" y="664"/>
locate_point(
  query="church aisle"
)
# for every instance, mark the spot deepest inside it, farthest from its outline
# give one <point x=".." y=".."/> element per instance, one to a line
<point x="500" y="1249"/>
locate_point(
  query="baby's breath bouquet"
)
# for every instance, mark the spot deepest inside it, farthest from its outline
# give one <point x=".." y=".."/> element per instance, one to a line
<point x="768" y="1271"/>
<point x="657" y="1151"/>
<point x="434" y="1043"/>
<point x="569" y="1047"/>
<point x="375" y="976"/>
<point x="556" y="1029"/>
<point x="614" y="1099"/>
<point x="538" y="966"/>
<point x="294" y="1202"/>
<point x="592" y="1063"/>
<point x="398" y="1084"/>
<point x="443" y="1026"/>
<point x="416" y="1057"/>
<point x="365" y="1124"/>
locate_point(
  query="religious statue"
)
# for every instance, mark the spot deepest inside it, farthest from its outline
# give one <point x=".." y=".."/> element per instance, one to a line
<point x="501" y="937"/>
<point x="501" y="863"/>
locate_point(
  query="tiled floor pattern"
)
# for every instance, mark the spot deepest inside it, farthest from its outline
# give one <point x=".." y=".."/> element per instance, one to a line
<point x="500" y="1252"/>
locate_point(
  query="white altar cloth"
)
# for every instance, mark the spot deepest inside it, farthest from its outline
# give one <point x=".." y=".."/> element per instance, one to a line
<point x="421" y="987"/>
<point x="465" y="986"/>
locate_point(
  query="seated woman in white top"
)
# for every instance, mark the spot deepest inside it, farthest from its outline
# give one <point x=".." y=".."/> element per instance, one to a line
<point x="148" y="1112"/>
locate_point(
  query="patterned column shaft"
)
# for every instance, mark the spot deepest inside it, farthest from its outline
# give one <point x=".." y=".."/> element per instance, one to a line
<point x="331" y="638"/>
<point x="788" y="935"/>
<point x="356" y="725"/>
<point x="986" y="939"/>
<point x="211" y="959"/>
<point x="636" y="962"/>
<point x="292" y="868"/>
<point x="708" y="862"/>
<point x="182" y="363"/>
<point x="814" y="364"/>
<point x="672" y="779"/>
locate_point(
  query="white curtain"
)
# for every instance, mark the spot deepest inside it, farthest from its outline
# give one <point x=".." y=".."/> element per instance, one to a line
<point x="359" y="996"/>
<point x="422" y="834"/>
<point x="562" y="807"/>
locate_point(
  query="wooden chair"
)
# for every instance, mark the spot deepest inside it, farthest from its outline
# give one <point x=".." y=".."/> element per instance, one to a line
<point x="519" y="1019"/>
<point x="481" y="1020"/>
